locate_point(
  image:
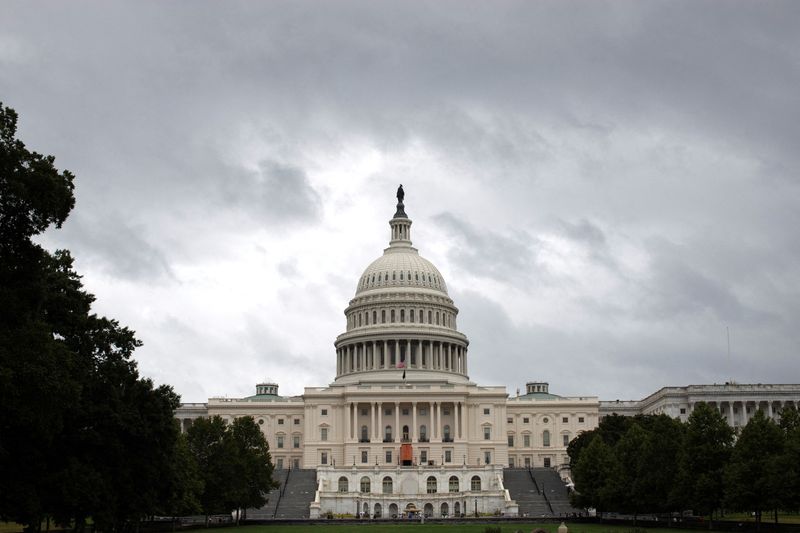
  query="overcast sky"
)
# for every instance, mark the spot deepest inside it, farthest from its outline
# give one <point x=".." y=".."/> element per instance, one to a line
<point x="605" y="186"/>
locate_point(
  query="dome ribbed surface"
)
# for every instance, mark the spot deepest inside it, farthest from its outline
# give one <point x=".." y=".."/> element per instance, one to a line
<point x="399" y="267"/>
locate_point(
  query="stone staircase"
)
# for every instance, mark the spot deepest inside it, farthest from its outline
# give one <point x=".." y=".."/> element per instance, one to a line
<point x="539" y="492"/>
<point x="555" y="490"/>
<point x="291" y="499"/>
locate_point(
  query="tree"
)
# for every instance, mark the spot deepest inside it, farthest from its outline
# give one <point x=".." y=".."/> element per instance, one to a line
<point x="234" y="463"/>
<point x="81" y="434"/>
<point x="592" y="474"/>
<point x="787" y="464"/>
<point x="630" y="475"/>
<point x="254" y="463"/>
<point x="705" y="453"/>
<point x="751" y="478"/>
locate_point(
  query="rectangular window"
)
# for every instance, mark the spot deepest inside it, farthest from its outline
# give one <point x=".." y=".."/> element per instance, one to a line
<point x="364" y="456"/>
<point x="487" y="433"/>
<point x="565" y="420"/>
<point x="547" y="462"/>
<point x="323" y="458"/>
<point x="387" y="412"/>
<point x="448" y="456"/>
<point x="423" y="456"/>
<point x="486" y="410"/>
<point x="510" y="420"/>
<point x="683" y="410"/>
<point x="324" y="412"/>
<point x="295" y="441"/>
<point x="323" y="434"/>
<point x="487" y="457"/>
<point x="405" y="412"/>
<point x="280" y="421"/>
<point x="446" y="412"/>
<point x="389" y="457"/>
<point x="423" y="411"/>
<point x="580" y="420"/>
<point x="279" y="438"/>
<point x="526" y="441"/>
<point x="365" y="412"/>
<point x="566" y="440"/>
<point x="527" y="462"/>
<point x="296" y="421"/>
<point x="526" y="420"/>
<point x="279" y="463"/>
<point x="511" y="441"/>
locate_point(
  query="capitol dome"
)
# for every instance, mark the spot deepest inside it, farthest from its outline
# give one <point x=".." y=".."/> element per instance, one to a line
<point x="401" y="320"/>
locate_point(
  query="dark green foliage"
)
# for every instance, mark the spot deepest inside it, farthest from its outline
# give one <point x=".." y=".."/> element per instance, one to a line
<point x="752" y="481"/>
<point x="705" y="453"/>
<point x="234" y="463"/>
<point x="594" y="474"/>
<point x="81" y="434"/>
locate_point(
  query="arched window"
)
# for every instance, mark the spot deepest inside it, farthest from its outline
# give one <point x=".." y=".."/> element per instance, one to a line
<point x="420" y="316"/>
<point x="447" y="434"/>
<point x="411" y="315"/>
<point x="545" y="438"/>
<point x="364" y="434"/>
<point x="453" y="484"/>
<point x="343" y="484"/>
<point x="437" y="318"/>
<point x="359" y="319"/>
<point x="431" y="485"/>
<point x="423" y="433"/>
<point x="374" y="317"/>
<point x="365" y="485"/>
<point x="387" y="434"/>
<point x="430" y="315"/>
<point x="383" y="316"/>
<point x="387" y="485"/>
<point x="366" y="318"/>
<point x="405" y="433"/>
<point x="475" y="484"/>
<point x="402" y="315"/>
<point x="392" y="315"/>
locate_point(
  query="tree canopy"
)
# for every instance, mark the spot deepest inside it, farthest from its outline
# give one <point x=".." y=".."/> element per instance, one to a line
<point x="81" y="433"/>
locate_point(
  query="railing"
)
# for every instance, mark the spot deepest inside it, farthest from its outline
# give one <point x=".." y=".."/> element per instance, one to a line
<point x="534" y="481"/>
<point x="424" y="439"/>
<point x="388" y="439"/>
<point x="363" y="440"/>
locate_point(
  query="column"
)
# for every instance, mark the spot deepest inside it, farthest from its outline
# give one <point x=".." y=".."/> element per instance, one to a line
<point x="385" y="356"/>
<point x="396" y="420"/>
<point x="769" y="408"/>
<point x="347" y="422"/>
<point x="420" y="353"/>
<point x="439" y="419"/>
<point x="372" y="419"/>
<point x="730" y="413"/>
<point x="380" y="422"/>
<point x="456" y="409"/>
<point x="413" y="421"/>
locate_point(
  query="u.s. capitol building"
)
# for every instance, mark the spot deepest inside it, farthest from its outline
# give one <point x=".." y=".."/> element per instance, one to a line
<point x="402" y="426"/>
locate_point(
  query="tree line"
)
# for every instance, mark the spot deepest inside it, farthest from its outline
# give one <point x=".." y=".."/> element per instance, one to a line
<point x="82" y="435"/>
<point x="657" y="464"/>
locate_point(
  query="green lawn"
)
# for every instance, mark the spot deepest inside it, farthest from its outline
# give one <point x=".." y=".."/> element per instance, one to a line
<point x="438" y="528"/>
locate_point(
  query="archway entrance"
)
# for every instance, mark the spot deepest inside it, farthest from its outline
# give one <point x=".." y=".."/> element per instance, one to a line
<point x="444" y="510"/>
<point x="393" y="510"/>
<point x="377" y="510"/>
<point x="428" y="510"/>
<point x="457" y="509"/>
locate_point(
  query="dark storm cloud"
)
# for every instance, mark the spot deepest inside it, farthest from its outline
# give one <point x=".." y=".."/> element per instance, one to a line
<point x="118" y="248"/>
<point x="485" y="253"/>
<point x="625" y="122"/>
<point x="275" y="193"/>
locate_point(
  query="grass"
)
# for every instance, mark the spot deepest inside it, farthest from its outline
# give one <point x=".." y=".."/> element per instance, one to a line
<point x="439" y="528"/>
